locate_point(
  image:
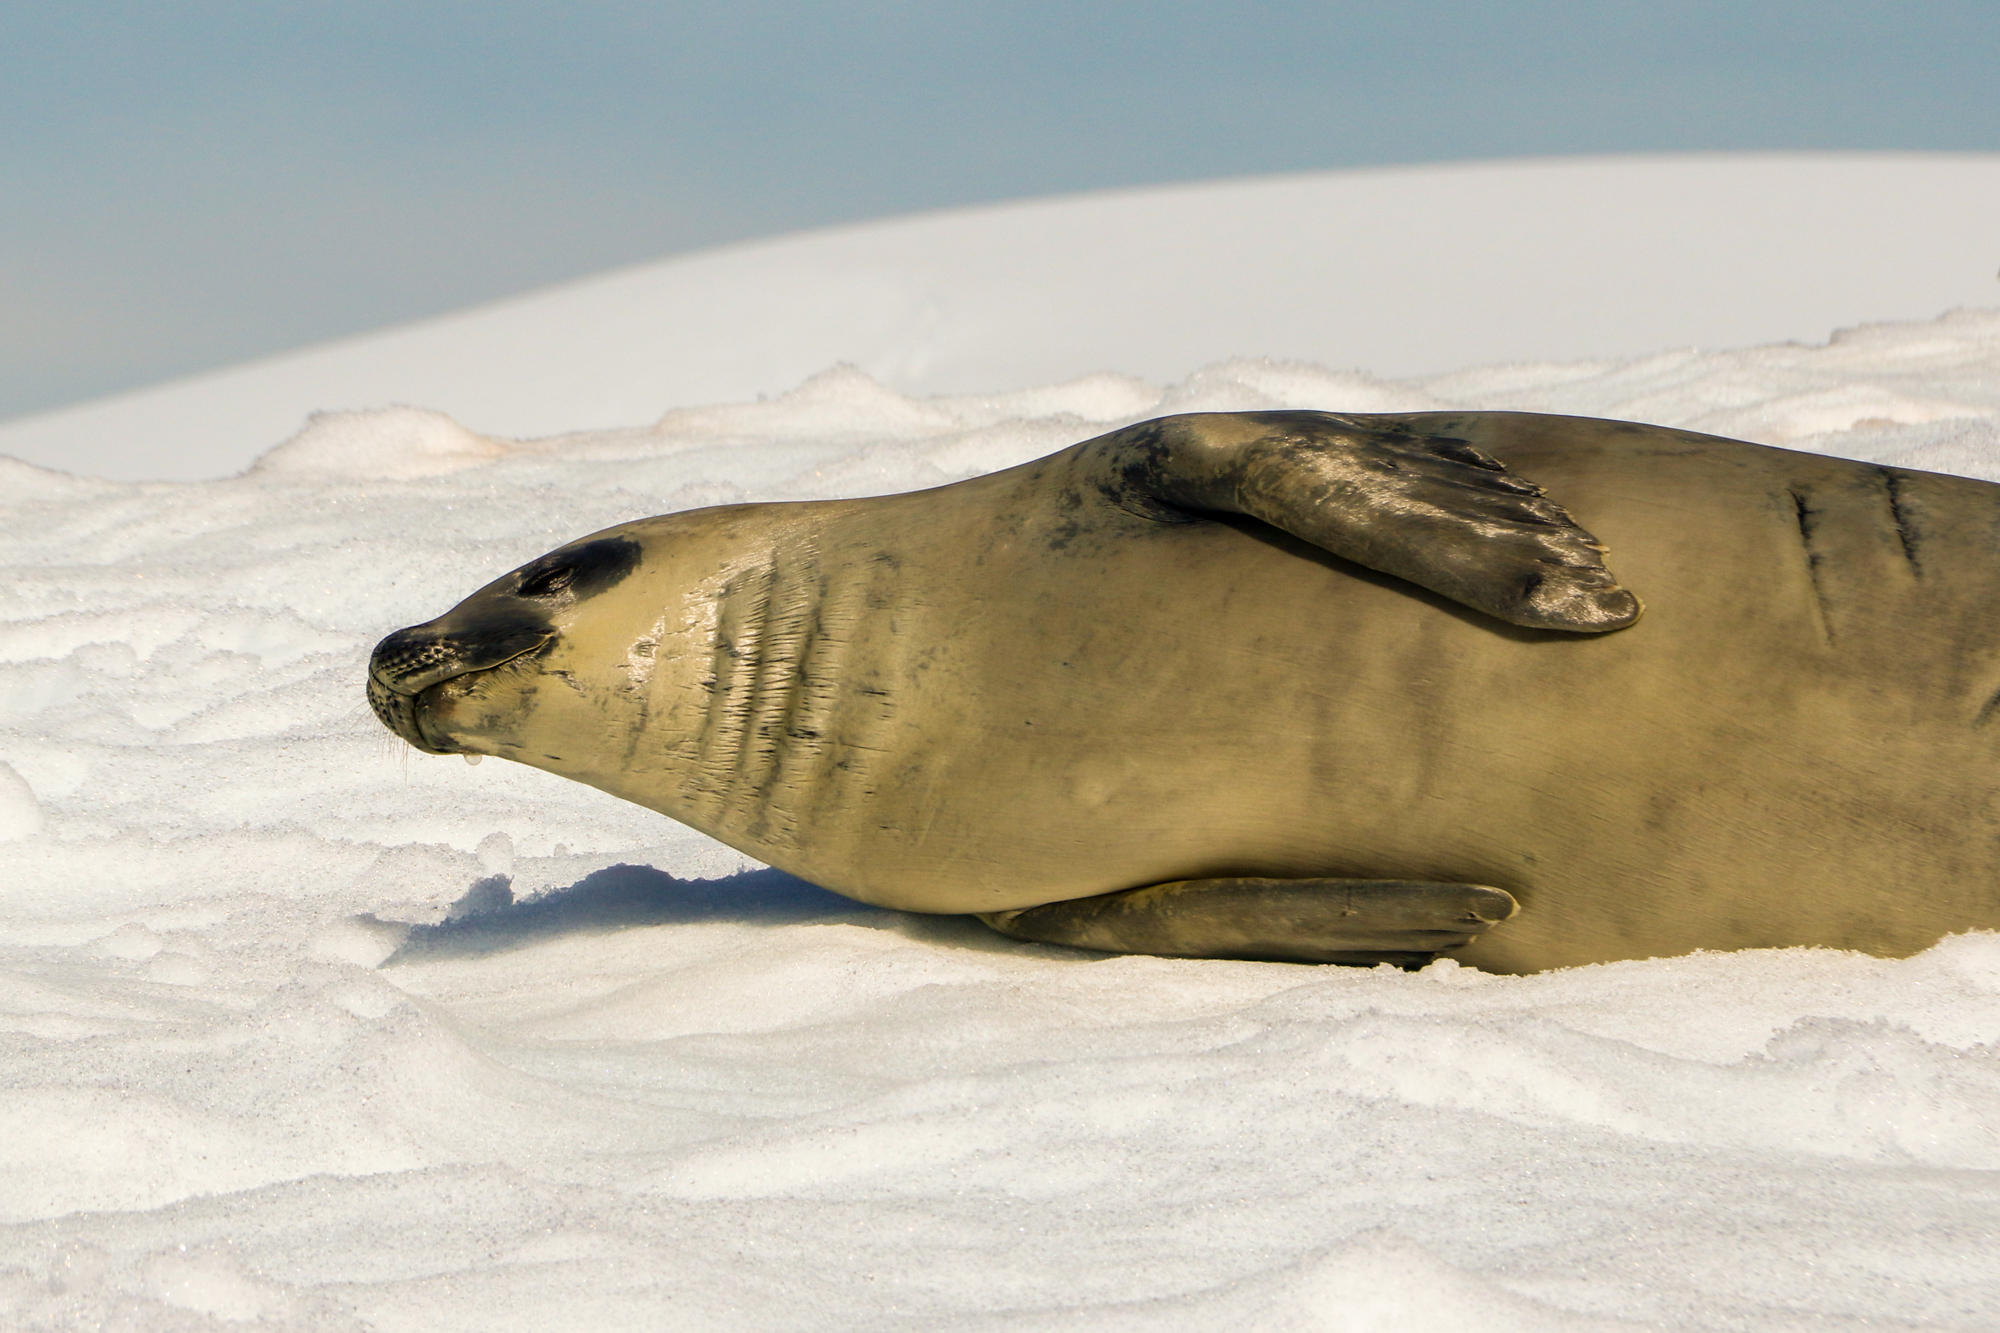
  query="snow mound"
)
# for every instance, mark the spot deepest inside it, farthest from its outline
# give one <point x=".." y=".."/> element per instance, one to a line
<point x="1400" y="270"/>
<point x="306" y="1030"/>
<point x="20" y="812"/>
<point x="389" y="444"/>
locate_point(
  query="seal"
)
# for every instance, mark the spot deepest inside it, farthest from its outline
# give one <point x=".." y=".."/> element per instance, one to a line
<point x="1297" y="685"/>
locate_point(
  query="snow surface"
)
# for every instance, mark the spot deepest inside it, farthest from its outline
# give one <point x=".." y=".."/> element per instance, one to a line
<point x="305" y="1030"/>
<point x="1398" y="271"/>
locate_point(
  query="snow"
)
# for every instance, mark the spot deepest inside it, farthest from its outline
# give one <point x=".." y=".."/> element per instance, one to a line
<point x="305" y="1030"/>
<point x="1403" y="271"/>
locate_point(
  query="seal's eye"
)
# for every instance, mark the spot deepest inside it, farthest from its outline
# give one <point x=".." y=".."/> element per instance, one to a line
<point x="548" y="581"/>
<point x="575" y="572"/>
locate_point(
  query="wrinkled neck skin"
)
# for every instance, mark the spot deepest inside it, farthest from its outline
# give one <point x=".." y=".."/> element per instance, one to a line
<point x="696" y="686"/>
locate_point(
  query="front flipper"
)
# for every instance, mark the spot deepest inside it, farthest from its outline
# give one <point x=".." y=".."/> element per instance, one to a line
<point x="1355" y="921"/>
<point x="1429" y="509"/>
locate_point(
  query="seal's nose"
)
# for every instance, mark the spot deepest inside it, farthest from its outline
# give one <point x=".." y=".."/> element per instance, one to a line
<point x="412" y="660"/>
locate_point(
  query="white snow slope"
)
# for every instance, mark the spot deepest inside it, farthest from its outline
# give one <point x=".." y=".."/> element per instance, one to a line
<point x="1400" y="270"/>
<point x="302" y="1030"/>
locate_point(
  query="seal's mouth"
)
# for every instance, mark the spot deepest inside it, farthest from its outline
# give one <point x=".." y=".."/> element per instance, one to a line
<point x="405" y="714"/>
<point x="415" y="670"/>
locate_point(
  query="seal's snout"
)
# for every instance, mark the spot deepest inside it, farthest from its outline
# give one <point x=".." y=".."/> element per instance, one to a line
<point x="398" y="712"/>
<point x="411" y="661"/>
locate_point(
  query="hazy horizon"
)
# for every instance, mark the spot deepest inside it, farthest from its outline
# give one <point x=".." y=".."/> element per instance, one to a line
<point x="194" y="187"/>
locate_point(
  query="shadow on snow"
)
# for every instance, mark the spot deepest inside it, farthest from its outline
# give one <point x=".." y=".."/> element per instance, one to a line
<point x="487" y="919"/>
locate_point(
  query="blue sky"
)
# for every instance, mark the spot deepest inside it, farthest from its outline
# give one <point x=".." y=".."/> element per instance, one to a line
<point x="183" y="185"/>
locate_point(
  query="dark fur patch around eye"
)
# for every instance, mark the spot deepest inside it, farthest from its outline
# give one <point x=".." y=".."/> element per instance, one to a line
<point x="553" y="579"/>
<point x="577" y="572"/>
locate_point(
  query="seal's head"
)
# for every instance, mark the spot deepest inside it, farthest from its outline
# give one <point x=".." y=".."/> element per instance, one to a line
<point x="440" y="685"/>
<point x="627" y="659"/>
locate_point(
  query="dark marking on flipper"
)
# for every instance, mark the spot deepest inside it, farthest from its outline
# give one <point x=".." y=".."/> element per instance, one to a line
<point x="1359" y="922"/>
<point x="1432" y="510"/>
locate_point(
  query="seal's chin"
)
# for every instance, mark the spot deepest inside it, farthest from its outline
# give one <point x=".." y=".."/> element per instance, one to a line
<point x="412" y="716"/>
<point x="416" y="676"/>
<point x="425" y="721"/>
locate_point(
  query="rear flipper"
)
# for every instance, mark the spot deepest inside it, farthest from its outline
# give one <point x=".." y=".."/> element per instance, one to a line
<point x="1355" y="921"/>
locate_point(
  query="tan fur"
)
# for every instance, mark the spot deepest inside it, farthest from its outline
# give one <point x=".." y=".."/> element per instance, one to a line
<point x="993" y="695"/>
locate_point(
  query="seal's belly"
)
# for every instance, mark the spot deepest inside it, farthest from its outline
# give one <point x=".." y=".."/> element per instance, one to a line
<point x="1790" y="746"/>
